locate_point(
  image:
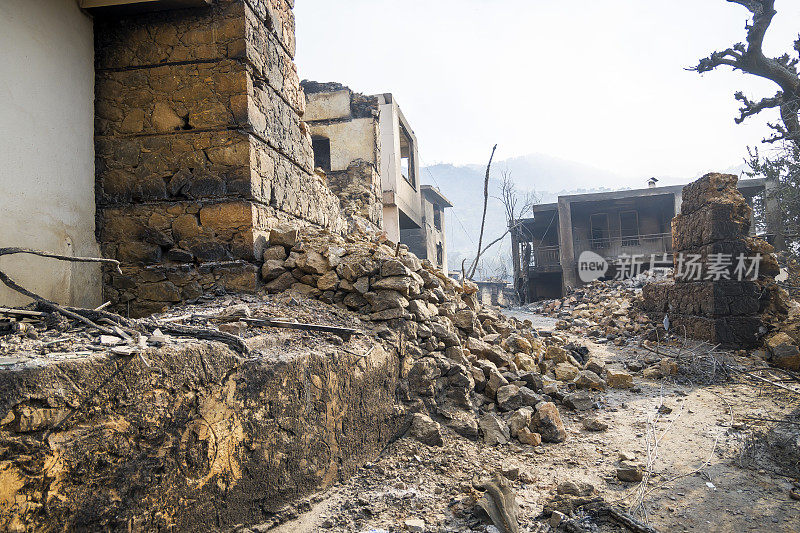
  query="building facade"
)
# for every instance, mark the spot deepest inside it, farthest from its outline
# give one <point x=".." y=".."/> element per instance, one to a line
<point x="362" y="140"/>
<point x="166" y="134"/>
<point x="546" y="247"/>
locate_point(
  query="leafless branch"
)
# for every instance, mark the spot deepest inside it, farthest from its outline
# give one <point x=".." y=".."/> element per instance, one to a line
<point x="750" y="58"/>
<point x="44" y="302"/>
<point x="485" y="204"/>
<point x="750" y="108"/>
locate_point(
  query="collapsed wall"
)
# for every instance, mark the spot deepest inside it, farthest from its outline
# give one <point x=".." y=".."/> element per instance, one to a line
<point x="724" y="290"/>
<point x="345" y="129"/>
<point x="200" y="149"/>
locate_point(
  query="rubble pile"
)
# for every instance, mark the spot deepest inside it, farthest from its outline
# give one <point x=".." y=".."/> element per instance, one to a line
<point x="602" y="310"/>
<point x="482" y="374"/>
<point x="715" y="295"/>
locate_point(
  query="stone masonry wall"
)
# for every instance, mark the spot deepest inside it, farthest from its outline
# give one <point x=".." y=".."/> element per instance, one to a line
<point x="200" y="149"/>
<point x="715" y="219"/>
<point x="359" y="191"/>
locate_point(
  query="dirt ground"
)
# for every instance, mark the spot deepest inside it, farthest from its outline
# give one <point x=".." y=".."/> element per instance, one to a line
<point x="722" y="457"/>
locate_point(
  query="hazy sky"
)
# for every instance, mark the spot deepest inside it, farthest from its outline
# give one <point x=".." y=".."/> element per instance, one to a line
<point x="600" y="82"/>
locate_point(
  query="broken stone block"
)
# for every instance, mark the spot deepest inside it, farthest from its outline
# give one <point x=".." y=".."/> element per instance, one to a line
<point x="575" y="488"/>
<point x="494" y="382"/>
<point x="401" y="284"/>
<point x="494" y="430"/>
<point x="426" y="430"/>
<point x="526" y="436"/>
<point x="422" y="376"/>
<point x="556" y="354"/>
<point x="547" y="422"/>
<point x="281" y="283"/>
<point x="565" y="372"/>
<point x="466" y="427"/>
<point x="456" y="354"/>
<point x="587" y="379"/>
<point x="516" y="344"/>
<point x="526" y="362"/>
<point x="783" y="351"/>
<point x="381" y="300"/>
<point x="393" y="267"/>
<point x="308" y="291"/>
<point x="277" y="253"/>
<point x="272" y="269"/>
<point x="511" y="397"/>
<point x="630" y="471"/>
<point x="283" y="236"/>
<point x="618" y="379"/>
<point x="328" y="281"/>
<point x="580" y="400"/>
<point x="465" y="319"/>
<point x="390" y="314"/>
<point x="234" y="328"/>
<point x="313" y="263"/>
<point x="444" y="334"/>
<point x="361" y="285"/>
<point x="521" y="418"/>
<point x="594" y="424"/>
<point x="595" y="365"/>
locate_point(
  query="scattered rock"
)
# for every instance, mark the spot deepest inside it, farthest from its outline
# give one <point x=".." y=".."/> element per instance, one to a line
<point x="547" y="421"/>
<point x="783" y="351"/>
<point x="495" y="431"/>
<point x="575" y="488"/>
<point x="526" y="436"/>
<point x="629" y="471"/>
<point x="618" y="379"/>
<point x="580" y="401"/>
<point x="566" y="372"/>
<point x="594" y="424"/>
<point x="426" y="430"/>
<point x="587" y="379"/>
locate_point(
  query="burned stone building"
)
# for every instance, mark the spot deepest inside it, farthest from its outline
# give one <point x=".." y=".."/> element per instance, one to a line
<point x="366" y="143"/>
<point x="186" y="145"/>
<point x="546" y="247"/>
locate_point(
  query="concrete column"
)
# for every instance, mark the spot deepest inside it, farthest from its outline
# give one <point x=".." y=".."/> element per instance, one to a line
<point x="772" y="215"/>
<point x="569" y="278"/>
<point x="678" y="196"/>
<point x="515" y="259"/>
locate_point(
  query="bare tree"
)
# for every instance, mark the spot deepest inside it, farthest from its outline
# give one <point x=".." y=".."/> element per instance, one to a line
<point x="749" y="57"/>
<point x="516" y="208"/>
<point x="516" y="205"/>
<point x="483" y="219"/>
<point x="784" y="165"/>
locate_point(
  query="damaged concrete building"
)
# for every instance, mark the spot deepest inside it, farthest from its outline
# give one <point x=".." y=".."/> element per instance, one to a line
<point x="367" y="143"/>
<point x="546" y="247"/>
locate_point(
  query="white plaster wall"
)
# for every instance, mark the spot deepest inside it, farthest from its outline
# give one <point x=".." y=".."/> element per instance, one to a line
<point x="326" y="106"/>
<point x="391" y="222"/>
<point x="351" y="140"/>
<point x="407" y="198"/>
<point x="47" y="148"/>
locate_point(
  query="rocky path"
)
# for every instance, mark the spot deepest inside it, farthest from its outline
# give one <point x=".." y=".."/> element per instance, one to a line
<point x="714" y="457"/>
<point x="538" y="321"/>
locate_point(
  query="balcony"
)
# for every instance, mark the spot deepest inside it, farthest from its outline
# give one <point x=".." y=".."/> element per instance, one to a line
<point x="545" y="259"/>
<point x="613" y="247"/>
